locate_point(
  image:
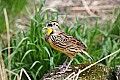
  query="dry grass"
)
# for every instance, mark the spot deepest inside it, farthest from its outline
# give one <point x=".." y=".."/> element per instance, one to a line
<point x="3" y="69"/>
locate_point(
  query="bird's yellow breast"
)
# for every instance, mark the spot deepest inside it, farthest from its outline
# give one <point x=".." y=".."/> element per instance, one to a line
<point x="54" y="47"/>
<point x="49" y="30"/>
<point x="57" y="48"/>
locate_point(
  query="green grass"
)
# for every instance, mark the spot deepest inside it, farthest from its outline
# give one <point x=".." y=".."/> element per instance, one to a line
<point x="31" y="52"/>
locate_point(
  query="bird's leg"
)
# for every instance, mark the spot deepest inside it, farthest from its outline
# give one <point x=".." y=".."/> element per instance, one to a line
<point x="64" y="64"/>
<point x="64" y="70"/>
<point x="69" y="64"/>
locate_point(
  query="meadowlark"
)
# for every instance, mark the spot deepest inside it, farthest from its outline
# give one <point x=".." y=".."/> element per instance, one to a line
<point x="63" y="42"/>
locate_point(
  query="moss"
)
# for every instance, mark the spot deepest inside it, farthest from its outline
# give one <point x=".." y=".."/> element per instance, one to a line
<point x="96" y="72"/>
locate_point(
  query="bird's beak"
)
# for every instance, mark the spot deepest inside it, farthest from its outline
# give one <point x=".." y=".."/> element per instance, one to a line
<point x="49" y="30"/>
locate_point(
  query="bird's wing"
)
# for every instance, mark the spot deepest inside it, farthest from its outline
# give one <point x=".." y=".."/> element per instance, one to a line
<point x="70" y="45"/>
<point x="74" y="44"/>
<point x="71" y="41"/>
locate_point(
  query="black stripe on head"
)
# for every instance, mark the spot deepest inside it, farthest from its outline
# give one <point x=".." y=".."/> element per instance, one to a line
<point x="53" y="21"/>
<point x="49" y="25"/>
<point x="57" y="24"/>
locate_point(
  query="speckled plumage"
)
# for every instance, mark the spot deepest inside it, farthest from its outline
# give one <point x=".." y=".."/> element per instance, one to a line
<point x="63" y="42"/>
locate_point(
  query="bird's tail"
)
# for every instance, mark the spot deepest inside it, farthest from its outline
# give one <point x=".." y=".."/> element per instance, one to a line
<point x="87" y="54"/>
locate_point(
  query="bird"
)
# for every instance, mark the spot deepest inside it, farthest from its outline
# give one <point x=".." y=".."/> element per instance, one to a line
<point x="63" y="42"/>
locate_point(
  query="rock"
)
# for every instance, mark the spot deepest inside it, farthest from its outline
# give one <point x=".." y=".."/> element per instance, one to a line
<point x="96" y="72"/>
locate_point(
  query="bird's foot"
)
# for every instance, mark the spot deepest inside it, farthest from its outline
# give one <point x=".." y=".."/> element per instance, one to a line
<point x="62" y="66"/>
<point x="62" y="70"/>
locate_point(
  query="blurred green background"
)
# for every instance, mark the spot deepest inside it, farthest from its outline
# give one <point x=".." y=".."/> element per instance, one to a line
<point x="14" y="8"/>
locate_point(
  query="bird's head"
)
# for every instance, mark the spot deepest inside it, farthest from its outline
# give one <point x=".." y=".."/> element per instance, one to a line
<point x="52" y="27"/>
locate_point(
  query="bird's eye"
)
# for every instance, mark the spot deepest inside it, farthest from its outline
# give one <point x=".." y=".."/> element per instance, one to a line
<point x="54" y="24"/>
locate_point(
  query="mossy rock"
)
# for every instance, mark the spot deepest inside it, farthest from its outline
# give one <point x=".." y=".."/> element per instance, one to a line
<point x="96" y="72"/>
